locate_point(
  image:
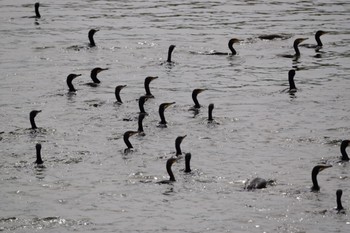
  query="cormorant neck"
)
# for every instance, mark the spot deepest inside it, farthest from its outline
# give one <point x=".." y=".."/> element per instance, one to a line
<point x="178" y="148"/>
<point x="141" y="117"/>
<point x="141" y="103"/>
<point x="161" y="114"/>
<point x="296" y="48"/>
<point x="343" y="146"/>
<point x="187" y="163"/>
<point x="315" y="186"/>
<point x="94" y="76"/>
<point x="170" y="172"/>
<point x="127" y="142"/>
<point x="37" y="14"/>
<point x="70" y="85"/>
<point x="318" y="40"/>
<point x="32" y="121"/>
<point x="233" y="51"/>
<point x="195" y="100"/>
<point x="148" y="91"/>
<point x="91" y="39"/>
<point x="169" y="54"/>
<point x="117" y="96"/>
<point x="339" y="205"/>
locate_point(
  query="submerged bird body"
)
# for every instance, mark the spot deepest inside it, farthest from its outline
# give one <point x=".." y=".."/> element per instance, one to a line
<point x="148" y="80"/>
<point x="117" y="93"/>
<point x="257" y="183"/>
<point x="318" y="40"/>
<point x="271" y="37"/>
<point x="344" y="144"/>
<point x="169" y="163"/>
<point x="296" y="48"/>
<point x="32" y="116"/>
<point x="170" y="51"/>
<point x="91" y="37"/>
<point x="38" y="160"/>
<point x="315" y="187"/>
<point x="161" y="110"/>
<point x="70" y="78"/>
<point x="178" y="141"/>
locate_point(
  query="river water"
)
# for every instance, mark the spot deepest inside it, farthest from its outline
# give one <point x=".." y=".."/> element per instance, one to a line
<point x="89" y="185"/>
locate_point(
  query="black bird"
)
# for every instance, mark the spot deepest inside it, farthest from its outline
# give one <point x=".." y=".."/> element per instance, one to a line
<point x="140" y="126"/>
<point x="339" y="208"/>
<point x="257" y="183"/>
<point x="169" y="163"/>
<point x="170" y="51"/>
<point x="91" y="37"/>
<point x="187" y="162"/>
<point x="93" y="76"/>
<point x="37" y="14"/>
<point x="210" y="112"/>
<point x="344" y="144"/>
<point x="126" y="136"/>
<point x="314" y="173"/>
<point x="117" y="93"/>
<point x="178" y="141"/>
<point x="32" y="115"/>
<point x="296" y="49"/>
<point x="318" y="40"/>
<point x="161" y="110"/>
<point x="70" y="78"/>
<point x="230" y="46"/>
<point x="271" y="37"/>
<point x="195" y="93"/>
<point x="142" y="101"/>
<point x="38" y="160"/>
<point x="148" y="80"/>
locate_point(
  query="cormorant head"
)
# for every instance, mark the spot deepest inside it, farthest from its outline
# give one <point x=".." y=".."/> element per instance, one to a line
<point x="171" y="48"/>
<point x="165" y="105"/>
<point x="188" y="156"/>
<point x="97" y="70"/>
<point x="34" y="113"/>
<point x="36" y="5"/>
<point x="72" y="76"/>
<point x="92" y="32"/>
<point x="320" y="33"/>
<point x="197" y="91"/>
<point x="179" y="139"/>
<point x="319" y="168"/>
<point x="170" y="162"/>
<point x="211" y="107"/>
<point x="150" y="78"/>
<point x="291" y="73"/>
<point x="345" y="143"/>
<point x="299" y="40"/>
<point x="38" y="146"/>
<point x="233" y="40"/>
<point x="118" y="88"/>
<point x="128" y="134"/>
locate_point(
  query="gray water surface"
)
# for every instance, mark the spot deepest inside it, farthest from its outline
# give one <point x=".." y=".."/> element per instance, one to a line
<point x="89" y="184"/>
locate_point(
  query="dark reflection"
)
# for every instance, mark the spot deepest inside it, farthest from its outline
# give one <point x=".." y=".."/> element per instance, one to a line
<point x="168" y="191"/>
<point x="39" y="171"/>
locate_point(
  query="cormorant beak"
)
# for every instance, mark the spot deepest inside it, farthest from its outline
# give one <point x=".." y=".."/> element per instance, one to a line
<point x="169" y="104"/>
<point x="325" y="167"/>
<point x="184" y="136"/>
<point x="154" y="77"/>
<point x="77" y="75"/>
<point x="302" y="39"/>
<point x="133" y="133"/>
<point x="201" y="90"/>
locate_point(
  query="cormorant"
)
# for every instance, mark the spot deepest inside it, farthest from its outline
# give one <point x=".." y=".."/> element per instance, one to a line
<point x="38" y="160"/>
<point x="142" y="101"/>
<point x="315" y="171"/>
<point x="126" y="136"/>
<point x="161" y="110"/>
<point x="170" y="51"/>
<point x="195" y="92"/>
<point x="117" y="92"/>
<point x="344" y="144"/>
<point x="32" y="115"/>
<point x="37" y="14"/>
<point x="295" y="46"/>
<point x="70" y="78"/>
<point x="169" y="163"/>
<point x="93" y="76"/>
<point x="230" y="46"/>
<point x="91" y="37"/>
<point x="178" y="141"/>
<point x="257" y="183"/>
<point x="339" y="208"/>
<point x="318" y="40"/>
<point x="140" y="126"/>
<point x="210" y="112"/>
<point x="187" y="162"/>
<point x="147" y="82"/>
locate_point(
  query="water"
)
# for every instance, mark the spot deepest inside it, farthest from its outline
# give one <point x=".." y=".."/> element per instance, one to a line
<point x="89" y="185"/>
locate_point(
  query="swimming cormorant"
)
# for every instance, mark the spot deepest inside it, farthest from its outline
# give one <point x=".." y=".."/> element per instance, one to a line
<point x="142" y="101"/>
<point x="315" y="171"/>
<point x="70" y="78"/>
<point x="38" y="160"/>
<point x="147" y="82"/>
<point x="170" y="51"/>
<point x="187" y="162"/>
<point x="140" y="126"/>
<point x="32" y="115"/>
<point x="91" y="37"/>
<point x="195" y="92"/>
<point x="257" y="183"/>
<point x="178" y="141"/>
<point x="169" y="163"/>
<point x="340" y="207"/>
<point x="296" y="49"/>
<point x="126" y="136"/>
<point x="117" y="93"/>
<point x="230" y="46"/>
<point x="93" y="76"/>
<point x="318" y="40"/>
<point x="37" y="14"/>
<point x="344" y="144"/>
<point x="210" y="112"/>
<point x="161" y="110"/>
